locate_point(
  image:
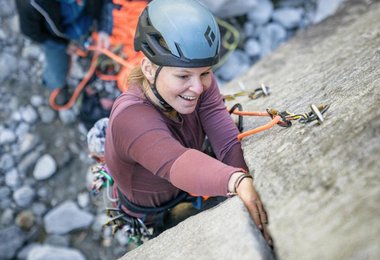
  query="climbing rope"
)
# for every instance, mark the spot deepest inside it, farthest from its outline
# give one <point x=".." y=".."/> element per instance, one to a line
<point x="123" y="56"/>
<point x="83" y="83"/>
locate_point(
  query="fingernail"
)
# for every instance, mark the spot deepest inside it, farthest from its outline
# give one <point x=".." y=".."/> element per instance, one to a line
<point x="260" y="227"/>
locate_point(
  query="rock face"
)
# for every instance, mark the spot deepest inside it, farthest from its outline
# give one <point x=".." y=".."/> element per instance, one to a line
<point x="209" y="235"/>
<point x="320" y="183"/>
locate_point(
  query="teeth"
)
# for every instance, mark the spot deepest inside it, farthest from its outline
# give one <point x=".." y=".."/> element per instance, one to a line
<point x="188" y="97"/>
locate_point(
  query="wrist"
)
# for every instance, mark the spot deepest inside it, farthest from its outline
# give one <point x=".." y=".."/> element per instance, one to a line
<point x="235" y="181"/>
<point x="232" y="181"/>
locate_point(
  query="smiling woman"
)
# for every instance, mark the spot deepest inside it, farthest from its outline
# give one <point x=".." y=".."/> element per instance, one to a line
<point x="157" y="129"/>
<point x="179" y="87"/>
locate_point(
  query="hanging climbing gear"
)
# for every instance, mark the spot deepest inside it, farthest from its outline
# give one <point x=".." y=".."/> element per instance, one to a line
<point x="261" y="91"/>
<point x="102" y="179"/>
<point x="134" y="228"/>
<point x="283" y="118"/>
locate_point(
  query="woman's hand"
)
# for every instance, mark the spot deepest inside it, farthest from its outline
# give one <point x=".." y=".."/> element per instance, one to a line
<point x="252" y="201"/>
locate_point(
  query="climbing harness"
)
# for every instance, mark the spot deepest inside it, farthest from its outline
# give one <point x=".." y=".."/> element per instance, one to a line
<point x="134" y="228"/>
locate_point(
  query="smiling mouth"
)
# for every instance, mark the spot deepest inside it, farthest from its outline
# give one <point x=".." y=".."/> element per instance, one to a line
<point x="188" y="98"/>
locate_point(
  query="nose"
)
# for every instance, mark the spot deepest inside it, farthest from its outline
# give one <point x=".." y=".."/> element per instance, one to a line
<point x="197" y="86"/>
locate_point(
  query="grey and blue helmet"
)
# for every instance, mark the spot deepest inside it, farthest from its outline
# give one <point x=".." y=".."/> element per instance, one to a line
<point x="188" y="28"/>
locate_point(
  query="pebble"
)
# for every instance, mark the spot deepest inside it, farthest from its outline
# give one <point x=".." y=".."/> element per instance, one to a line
<point x="65" y="218"/>
<point x="51" y="252"/>
<point x="24" y="196"/>
<point x="25" y="219"/>
<point x="6" y="162"/>
<point x="7" y="136"/>
<point x="45" y="167"/>
<point x="261" y="13"/>
<point x="12" y="179"/>
<point x="11" y="239"/>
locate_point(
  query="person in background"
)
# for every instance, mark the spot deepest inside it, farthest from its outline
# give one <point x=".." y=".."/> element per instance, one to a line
<point x="157" y="128"/>
<point x="57" y="23"/>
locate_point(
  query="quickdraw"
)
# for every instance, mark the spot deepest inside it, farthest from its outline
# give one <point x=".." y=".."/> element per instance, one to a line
<point x="101" y="179"/>
<point x="283" y="118"/>
<point x="262" y="91"/>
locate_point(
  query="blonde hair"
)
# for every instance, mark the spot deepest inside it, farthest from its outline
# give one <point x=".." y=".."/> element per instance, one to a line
<point x="136" y="76"/>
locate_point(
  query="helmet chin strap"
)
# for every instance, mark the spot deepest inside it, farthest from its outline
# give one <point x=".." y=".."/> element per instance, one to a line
<point x="162" y="101"/>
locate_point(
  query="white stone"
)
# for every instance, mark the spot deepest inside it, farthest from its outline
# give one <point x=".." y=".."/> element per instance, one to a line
<point x="45" y="167"/>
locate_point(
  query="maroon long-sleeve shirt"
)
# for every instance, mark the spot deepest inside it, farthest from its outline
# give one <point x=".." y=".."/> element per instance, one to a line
<point x="152" y="157"/>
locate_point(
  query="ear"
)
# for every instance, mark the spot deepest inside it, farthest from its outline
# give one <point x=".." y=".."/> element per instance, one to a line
<point x="148" y="69"/>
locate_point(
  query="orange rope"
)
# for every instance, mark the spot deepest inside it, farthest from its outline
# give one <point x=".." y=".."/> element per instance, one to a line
<point x="87" y="77"/>
<point x="124" y="25"/>
<point x="110" y="54"/>
<point x="106" y="77"/>
<point x="253" y="113"/>
<point x="77" y="91"/>
<point x="256" y="130"/>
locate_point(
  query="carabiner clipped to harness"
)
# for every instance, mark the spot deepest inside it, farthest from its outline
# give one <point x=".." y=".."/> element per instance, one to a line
<point x="132" y="227"/>
<point x="102" y="179"/>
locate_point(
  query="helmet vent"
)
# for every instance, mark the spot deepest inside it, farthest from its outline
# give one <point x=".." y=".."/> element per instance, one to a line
<point x="148" y="50"/>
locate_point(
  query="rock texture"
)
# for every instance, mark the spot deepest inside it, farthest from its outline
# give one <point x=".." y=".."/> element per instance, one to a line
<point x="209" y="235"/>
<point x="320" y="183"/>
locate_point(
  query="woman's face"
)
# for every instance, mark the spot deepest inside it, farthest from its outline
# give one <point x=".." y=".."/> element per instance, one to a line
<point x="182" y="87"/>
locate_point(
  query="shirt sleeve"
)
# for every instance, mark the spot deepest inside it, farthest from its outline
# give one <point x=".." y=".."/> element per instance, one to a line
<point x="220" y="128"/>
<point x="142" y="137"/>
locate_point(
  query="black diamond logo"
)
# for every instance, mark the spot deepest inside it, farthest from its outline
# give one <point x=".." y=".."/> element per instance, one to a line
<point x="209" y="35"/>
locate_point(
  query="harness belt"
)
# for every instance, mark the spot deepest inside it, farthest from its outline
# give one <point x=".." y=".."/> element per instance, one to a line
<point x="183" y="196"/>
